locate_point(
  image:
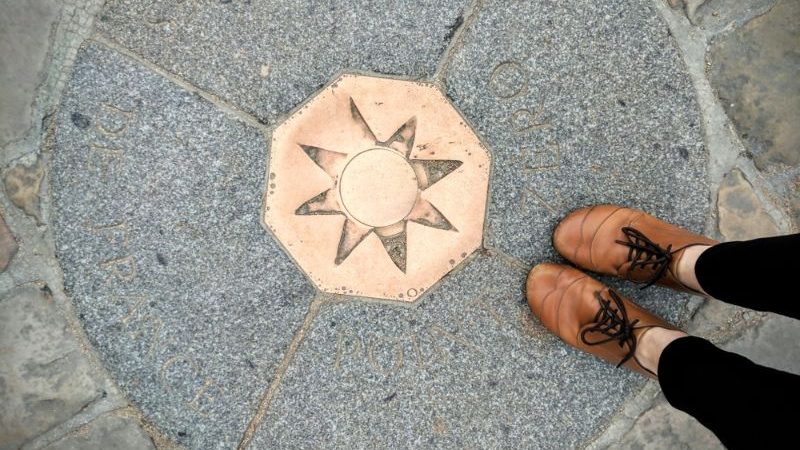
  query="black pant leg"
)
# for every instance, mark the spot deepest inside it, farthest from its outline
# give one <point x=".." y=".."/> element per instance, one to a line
<point x="757" y="274"/>
<point x="744" y="404"/>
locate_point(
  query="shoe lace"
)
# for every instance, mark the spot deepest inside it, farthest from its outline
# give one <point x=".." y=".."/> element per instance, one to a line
<point x="643" y="252"/>
<point x="612" y="321"/>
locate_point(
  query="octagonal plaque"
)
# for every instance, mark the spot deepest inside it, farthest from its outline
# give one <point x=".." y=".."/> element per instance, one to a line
<point x="377" y="187"/>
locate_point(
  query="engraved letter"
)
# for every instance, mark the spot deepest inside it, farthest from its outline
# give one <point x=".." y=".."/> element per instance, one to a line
<point x="543" y="158"/>
<point x="436" y="330"/>
<point x="435" y="356"/>
<point x="113" y="233"/>
<point x="114" y="128"/>
<point x="398" y="356"/>
<point x="123" y="269"/>
<point x="104" y="157"/>
<point x="130" y="321"/>
<point x="508" y="80"/>
<point x="523" y="120"/>
<point x="347" y="344"/>
<point x="203" y="393"/>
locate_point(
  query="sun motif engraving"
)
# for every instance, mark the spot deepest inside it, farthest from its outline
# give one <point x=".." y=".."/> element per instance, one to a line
<point x="377" y="187"/>
<point x="378" y="190"/>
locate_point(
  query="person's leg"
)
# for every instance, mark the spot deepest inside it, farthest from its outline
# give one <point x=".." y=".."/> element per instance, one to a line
<point x="755" y="274"/>
<point x="744" y="404"/>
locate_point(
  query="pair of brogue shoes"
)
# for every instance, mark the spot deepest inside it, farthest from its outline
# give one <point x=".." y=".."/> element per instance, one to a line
<point x="611" y="240"/>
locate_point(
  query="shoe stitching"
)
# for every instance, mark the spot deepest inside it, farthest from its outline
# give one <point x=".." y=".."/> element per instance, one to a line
<point x="561" y="271"/>
<point x="597" y="230"/>
<point x="561" y="301"/>
<point x="583" y="221"/>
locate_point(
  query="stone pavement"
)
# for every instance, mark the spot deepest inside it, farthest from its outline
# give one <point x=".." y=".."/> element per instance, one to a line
<point x="145" y="305"/>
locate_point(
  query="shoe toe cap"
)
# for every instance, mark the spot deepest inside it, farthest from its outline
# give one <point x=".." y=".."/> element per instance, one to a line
<point x="542" y="281"/>
<point x="586" y="235"/>
<point x="568" y="235"/>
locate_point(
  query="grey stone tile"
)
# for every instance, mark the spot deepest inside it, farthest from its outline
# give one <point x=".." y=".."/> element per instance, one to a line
<point x="579" y="102"/>
<point x="8" y="245"/>
<point x="156" y="197"/>
<point x="268" y="56"/>
<point x="44" y="378"/>
<point x="108" y="432"/>
<point x="716" y="16"/>
<point x="664" y="427"/>
<point x="741" y="214"/>
<point x="756" y="73"/>
<point x="22" y="181"/>
<point x="771" y="344"/>
<point x="24" y="43"/>
<point x="467" y="367"/>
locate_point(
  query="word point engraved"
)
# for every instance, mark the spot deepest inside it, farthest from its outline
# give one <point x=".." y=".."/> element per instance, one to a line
<point x="425" y="347"/>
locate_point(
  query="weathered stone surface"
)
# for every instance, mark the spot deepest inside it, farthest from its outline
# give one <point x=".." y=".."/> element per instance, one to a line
<point x="44" y="378"/>
<point x="756" y="72"/>
<point x="689" y="6"/>
<point x="24" y="41"/>
<point x="719" y="321"/>
<point x="108" y="432"/>
<point x="741" y="213"/>
<point x="663" y="427"/>
<point x="766" y="344"/>
<point x="268" y="56"/>
<point x="580" y="103"/>
<point x="716" y="16"/>
<point x="719" y="15"/>
<point x="22" y="181"/>
<point x="8" y="245"/>
<point x="189" y="301"/>
<point x="468" y="366"/>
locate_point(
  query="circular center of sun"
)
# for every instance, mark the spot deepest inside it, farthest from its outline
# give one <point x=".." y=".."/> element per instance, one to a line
<point x="378" y="187"/>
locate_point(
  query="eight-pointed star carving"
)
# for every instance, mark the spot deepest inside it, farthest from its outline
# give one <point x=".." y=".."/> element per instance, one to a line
<point x="387" y="168"/>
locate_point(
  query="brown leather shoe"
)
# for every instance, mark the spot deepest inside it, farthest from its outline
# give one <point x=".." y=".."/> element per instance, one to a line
<point x="627" y="243"/>
<point x="589" y="316"/>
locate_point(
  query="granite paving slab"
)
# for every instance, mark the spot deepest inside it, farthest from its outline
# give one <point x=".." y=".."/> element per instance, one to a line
<point x="268" y="56"/>
<point x="579" y="102"/>
<point x="157" y="193"/>
<point x="209" y="327"/>
<point x="465" y="367"/>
